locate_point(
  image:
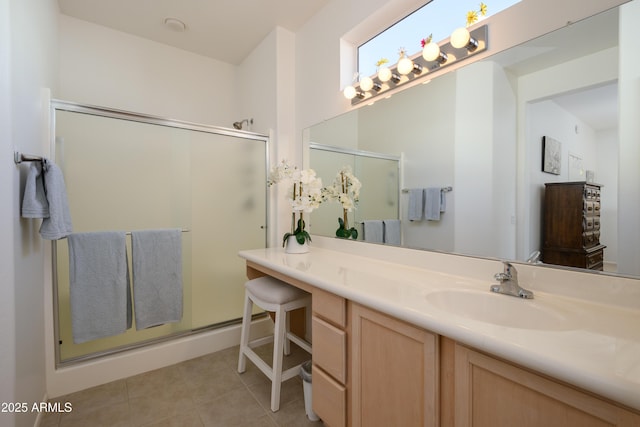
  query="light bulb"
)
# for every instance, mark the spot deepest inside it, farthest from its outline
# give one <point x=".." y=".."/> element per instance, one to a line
<point x="349" y="92"/>
<point x="366" y="84"/>
<point x="384" y="74"/>
<point x="460" y="38"/>
<point x="405" y="65"/>
<point x="431" y="51"/>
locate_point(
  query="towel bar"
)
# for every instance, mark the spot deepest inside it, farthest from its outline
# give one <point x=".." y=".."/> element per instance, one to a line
<point x="19" y="157"/>
<point x="445" y="189"/>
<point x="184" y="230"/>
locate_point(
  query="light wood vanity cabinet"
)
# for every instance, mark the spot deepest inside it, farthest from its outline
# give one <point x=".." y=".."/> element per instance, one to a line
<point x="493" y="393"/>
<point x="394" y="369"/>
<point x="329" y="377"/>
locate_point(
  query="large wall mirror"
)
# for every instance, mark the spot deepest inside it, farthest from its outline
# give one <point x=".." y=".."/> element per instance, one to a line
<point x="480" y="132"/>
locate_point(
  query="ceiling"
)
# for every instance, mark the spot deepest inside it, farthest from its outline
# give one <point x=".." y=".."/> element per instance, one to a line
<point x="226" y="30"/>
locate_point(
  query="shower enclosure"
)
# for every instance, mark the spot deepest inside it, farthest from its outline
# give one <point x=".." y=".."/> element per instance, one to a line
<point x="127" y="171"/>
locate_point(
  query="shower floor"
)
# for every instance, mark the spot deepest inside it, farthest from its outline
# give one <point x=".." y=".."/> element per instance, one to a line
<point x="206" y="391"/>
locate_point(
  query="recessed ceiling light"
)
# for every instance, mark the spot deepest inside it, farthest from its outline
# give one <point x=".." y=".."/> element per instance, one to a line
<point x="175" y="24"/>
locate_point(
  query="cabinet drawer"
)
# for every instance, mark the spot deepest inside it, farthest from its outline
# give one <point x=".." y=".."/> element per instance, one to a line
<point x="330" y="307"/>
<point x="329" y="349"/>
<point x="329" y="399"/>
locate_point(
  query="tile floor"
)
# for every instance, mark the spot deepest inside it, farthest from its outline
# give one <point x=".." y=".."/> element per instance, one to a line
<point x="203" y="392"/>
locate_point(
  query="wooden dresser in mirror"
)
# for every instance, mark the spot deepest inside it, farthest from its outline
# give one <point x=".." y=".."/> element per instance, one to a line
<point x="571" y="225"/>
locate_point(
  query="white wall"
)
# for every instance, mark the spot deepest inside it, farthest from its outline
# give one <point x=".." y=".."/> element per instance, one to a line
<point x="104" y="67"/>
<point x="629" y="172"/>
<point x="29" y="55"/>
<point x="607" y="153"/>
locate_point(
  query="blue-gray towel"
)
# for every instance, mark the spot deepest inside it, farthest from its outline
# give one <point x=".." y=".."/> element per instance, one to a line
<point x="433" y="204"/>
<point x="416" y="204"/>
<point x="34" y="201"/>
<point x="58" y="224"/>
<point x="373" y="231"/>
<point x="157" y="276"/>
<point x="391" y="231"/>
<point x="100" y="295"/>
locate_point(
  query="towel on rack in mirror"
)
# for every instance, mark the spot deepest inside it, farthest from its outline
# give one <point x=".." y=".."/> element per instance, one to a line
<point x="99" y="290"/>
<point x="373" y="231"/>
<point x="34" y="201"/>
<point x="157" y="276"/>
<point x="58" y="224"/>
<point x="391" y="231"/>
<point x="435" y="203"/>
<point x="416" y="204"/>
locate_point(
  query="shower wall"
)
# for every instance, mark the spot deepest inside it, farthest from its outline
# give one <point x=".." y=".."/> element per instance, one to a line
<point x="134" y="173"/>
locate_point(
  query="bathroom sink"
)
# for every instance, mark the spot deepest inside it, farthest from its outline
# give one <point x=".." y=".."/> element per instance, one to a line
<point x="503" y="310"/>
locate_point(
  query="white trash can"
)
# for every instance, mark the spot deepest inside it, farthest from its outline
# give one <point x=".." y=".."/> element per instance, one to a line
<point x="305" y="374"/>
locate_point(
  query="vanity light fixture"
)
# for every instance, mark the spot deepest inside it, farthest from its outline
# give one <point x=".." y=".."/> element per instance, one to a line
<point x="432" y="52"/>
<point x="366" y="83"/>
<point x="461" y="38"/>
<point x="433" y="57"/>
<point x="350" y="92"/>
<point x="384" y="74"/>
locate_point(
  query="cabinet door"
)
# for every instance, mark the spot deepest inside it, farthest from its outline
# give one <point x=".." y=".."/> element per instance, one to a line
<point x="395" y="372"/>
<point x="492" y="393"/>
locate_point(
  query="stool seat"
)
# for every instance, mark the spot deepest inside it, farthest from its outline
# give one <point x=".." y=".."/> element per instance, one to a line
<point x="273" y="291"/>
<point x="276" y="296"/>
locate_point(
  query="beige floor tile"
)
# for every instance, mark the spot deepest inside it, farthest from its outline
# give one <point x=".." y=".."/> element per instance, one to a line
<point x="236" y="408"/>
<point x="183" y="420"/>
<point x="292" y="414"/>
<point x="114" y="415"/>
<point x="104" y="395"/>
<point x="164" y="381"/>
<point x="290" y="390"/>
<point x="202" y="392"/>
<point x="158" y="406"/>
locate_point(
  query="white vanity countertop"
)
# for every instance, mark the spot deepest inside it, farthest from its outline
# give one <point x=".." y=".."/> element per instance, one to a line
<point x="591" y="345"/>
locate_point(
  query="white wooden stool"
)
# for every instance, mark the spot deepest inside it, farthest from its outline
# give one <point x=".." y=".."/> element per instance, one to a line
<point x="271" y="294"/>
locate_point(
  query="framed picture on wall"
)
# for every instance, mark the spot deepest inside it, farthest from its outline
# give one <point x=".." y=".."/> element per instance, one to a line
<point x="551" y="155"/>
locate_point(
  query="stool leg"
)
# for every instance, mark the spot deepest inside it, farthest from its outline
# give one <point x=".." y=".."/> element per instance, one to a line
<point x="287" y="342"/>
<point x="245" y="332"/>
<point x="278" y="350"/>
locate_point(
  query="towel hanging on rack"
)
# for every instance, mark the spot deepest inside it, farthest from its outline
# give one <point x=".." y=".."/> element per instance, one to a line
<point x="157" y="276"/>
<point x="58" y="224"/>
<point x="34" y="201"/>
<point x="99" y="291"/>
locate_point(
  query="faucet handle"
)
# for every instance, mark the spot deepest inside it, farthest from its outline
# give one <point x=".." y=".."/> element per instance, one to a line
<point x="502" y="277"/>
<point x="509" y="273"/>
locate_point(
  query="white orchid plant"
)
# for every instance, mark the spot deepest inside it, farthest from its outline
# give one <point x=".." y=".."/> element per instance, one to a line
<point x="305" y="194"/>
<point x="345" y="190"/>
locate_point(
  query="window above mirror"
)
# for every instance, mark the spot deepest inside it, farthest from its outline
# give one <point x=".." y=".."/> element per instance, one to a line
<point x="437" y="18"/>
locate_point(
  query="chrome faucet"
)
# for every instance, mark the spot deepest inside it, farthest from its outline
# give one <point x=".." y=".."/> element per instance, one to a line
<point x="509" y="283"/>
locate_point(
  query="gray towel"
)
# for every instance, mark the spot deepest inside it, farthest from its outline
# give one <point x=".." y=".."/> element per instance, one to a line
<point x="433" y="203"/>
<point x="34" y="201"/>
<point x="392" y="231"/>
<point x="100" y="295"/>
<point x="416" y="204"/>
<point x="58" y="224"/>
<point x="157" y="276"/>
<point x="373" y="231"/>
